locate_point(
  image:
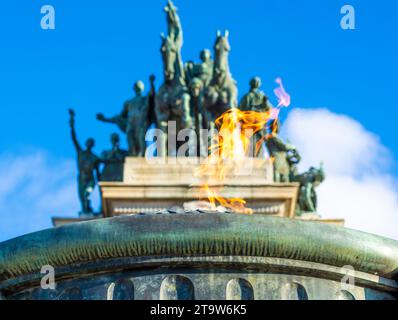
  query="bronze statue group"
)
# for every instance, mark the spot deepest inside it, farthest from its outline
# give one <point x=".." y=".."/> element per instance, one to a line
<point x="192" y="96"/>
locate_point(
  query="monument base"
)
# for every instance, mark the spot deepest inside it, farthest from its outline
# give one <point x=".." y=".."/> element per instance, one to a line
<point x="151" y="185"/>
<point x="158" y="184"/>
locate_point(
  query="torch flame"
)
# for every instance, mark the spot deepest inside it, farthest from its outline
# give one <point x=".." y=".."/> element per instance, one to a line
<point x="229" y="150"/>
<point x="231" y="147"/>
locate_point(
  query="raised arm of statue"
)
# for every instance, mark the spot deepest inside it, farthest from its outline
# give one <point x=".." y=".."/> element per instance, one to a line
<point x="73" y="131"/>
<point x="102" y="118"/>
<point x="120" y="120"/>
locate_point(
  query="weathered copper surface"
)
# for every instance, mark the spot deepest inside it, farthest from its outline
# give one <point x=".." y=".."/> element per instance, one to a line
<point x="198" y="234"/>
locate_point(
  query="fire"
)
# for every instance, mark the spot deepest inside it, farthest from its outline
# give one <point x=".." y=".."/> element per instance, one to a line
<point x="232" y="147"/>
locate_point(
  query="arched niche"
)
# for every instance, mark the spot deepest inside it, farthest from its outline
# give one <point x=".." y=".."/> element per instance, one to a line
<point x="177" y="287"/>
<point x="293" y="291"/>
<point x="239" y="289"/>
<point x="344" y="295"/>
<point x="121" y="290"/>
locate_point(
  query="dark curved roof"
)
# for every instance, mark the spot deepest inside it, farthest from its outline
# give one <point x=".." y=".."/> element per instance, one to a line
<point x="198" y="234"/>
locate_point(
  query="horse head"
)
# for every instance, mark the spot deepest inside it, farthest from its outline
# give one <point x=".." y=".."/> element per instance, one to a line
<point x="221" y="50"/>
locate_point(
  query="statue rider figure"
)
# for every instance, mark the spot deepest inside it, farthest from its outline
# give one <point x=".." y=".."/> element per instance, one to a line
<point x="256" y="100"/>
<point x="203" y="70"/>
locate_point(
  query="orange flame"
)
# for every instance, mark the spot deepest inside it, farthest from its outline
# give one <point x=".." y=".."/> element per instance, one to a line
<point x="231" y="147"/>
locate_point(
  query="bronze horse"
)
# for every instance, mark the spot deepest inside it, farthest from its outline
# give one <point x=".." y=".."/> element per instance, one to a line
<point x="172" y="98"/>
<point x="221" y="95"/>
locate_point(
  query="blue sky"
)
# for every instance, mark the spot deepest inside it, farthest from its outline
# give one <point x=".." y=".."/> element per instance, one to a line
<point x="99" y="48"/>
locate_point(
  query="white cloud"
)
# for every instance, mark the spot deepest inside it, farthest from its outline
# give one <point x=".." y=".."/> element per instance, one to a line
<point x="34" y="186"/>
<point x="358" y="186"/>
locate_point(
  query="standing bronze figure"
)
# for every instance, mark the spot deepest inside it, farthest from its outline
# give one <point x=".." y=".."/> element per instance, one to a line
<point x="134" y="117"/>
<point x="88" y="166"/>
<point x="278" y="151"/>
<point x="196" y="107"/>
<point x="113" y="160"/>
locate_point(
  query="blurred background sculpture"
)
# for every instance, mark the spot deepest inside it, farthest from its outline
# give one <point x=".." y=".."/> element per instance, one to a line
<point x="134" y="117"/>
<point x="278" y="151"/>
<point x="88" y="167"/>
<point x="202" y="70"/>
<point x="222" y="93"/>
<point x="172" y="98"/>
<point x="193" y="96"/>
<point x="307" y="200"/>
<point x="137" y="118"/>
<point x="197" y="114"/>
<point x="255" y="99"/>
<point x="293" y="158"/>
<point x="113" y="160"/>
<point x="120" y="119"/>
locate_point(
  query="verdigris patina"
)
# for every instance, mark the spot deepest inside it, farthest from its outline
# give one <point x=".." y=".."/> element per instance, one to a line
<point x="120" y="119"/>
<point x="203" y="70"/>
<point x="309" y="180"/>
<point x="222" y="93"/>
<point x="172" y="98"/>
<point x="278" y="151"/>
<point x="113" y="160"/>
<point x="255" y="99"/>
<point x="88" y="166"/>
<point x="207" y="251"/>
<point x="196" y="107"/>
<point x="293" y="158"/>
<point x="133" y="118"/>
